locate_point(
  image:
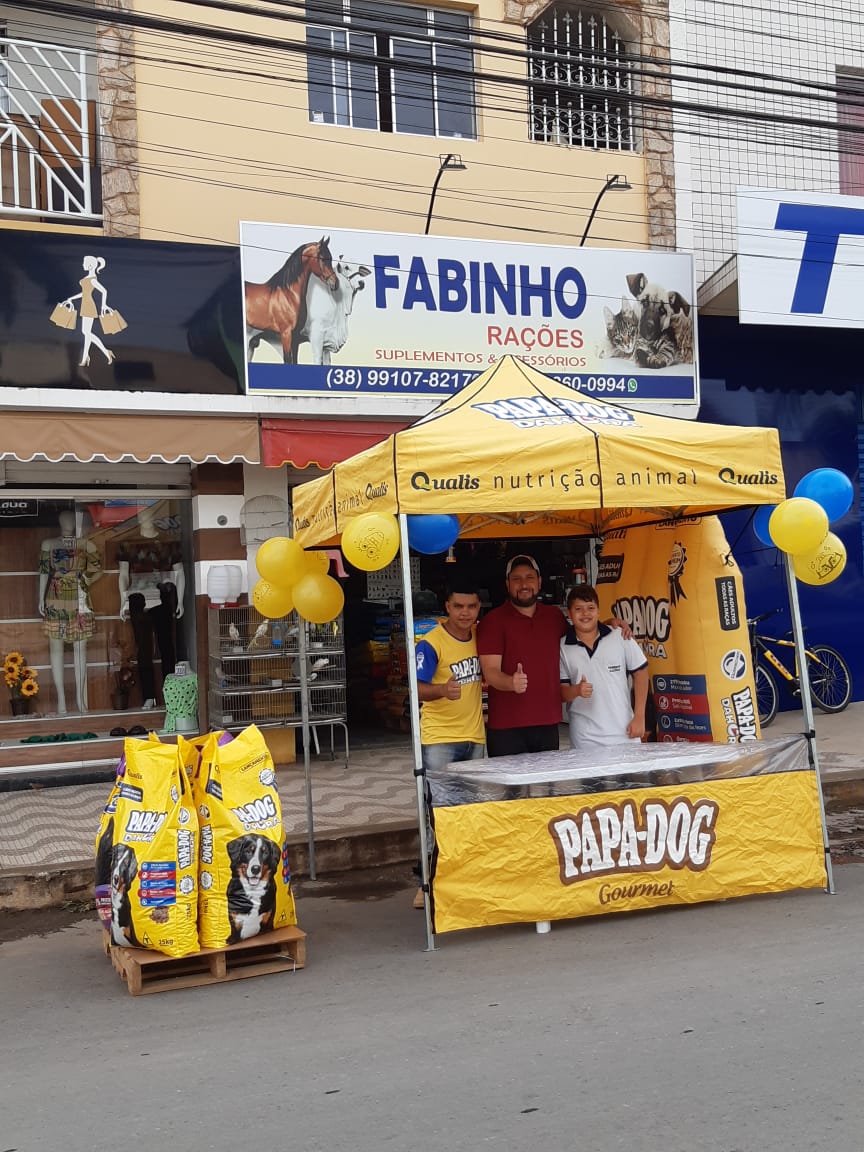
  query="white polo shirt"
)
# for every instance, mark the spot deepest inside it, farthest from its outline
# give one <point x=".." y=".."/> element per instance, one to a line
<point x="603" y="717"/>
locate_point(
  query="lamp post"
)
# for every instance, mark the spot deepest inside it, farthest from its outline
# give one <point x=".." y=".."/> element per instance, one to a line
<point x="452" y="163"/>
<point x="614" y="183"/>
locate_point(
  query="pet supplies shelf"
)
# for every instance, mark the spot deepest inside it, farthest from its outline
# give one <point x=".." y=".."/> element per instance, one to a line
<point x="284" y="673"/>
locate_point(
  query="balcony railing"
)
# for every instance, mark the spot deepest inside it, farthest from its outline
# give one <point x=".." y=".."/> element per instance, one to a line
<point x="48" y="138"/>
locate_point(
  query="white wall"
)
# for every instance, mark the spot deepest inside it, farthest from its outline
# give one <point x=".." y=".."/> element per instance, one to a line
<point x="713" y="155"/>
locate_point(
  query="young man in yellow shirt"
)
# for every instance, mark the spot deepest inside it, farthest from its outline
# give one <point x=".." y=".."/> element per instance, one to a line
<point x="450" y="686"/>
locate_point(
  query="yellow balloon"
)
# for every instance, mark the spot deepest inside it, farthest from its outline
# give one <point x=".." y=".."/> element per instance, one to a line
<point x="281" y="560"/>
<point x="371" y="541"/>
<point x="317" y="562"/>
<point x="271" y="601"/>
<point x="318" y="598"/>
<point x="798" y="525"/>
<point x="823" y="564"/>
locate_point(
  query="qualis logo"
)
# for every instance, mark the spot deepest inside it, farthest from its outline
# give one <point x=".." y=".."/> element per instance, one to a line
<point x="621" y="838"/>
<point x="730" y="476"/>
<point x="540" y="412"/>
<point x="464" y="482"/>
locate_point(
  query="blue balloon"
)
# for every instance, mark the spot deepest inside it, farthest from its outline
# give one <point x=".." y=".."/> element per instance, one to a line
<point x="831" y="489"/>
<point x="760" y="524"/>
<point x="432" y="534"/>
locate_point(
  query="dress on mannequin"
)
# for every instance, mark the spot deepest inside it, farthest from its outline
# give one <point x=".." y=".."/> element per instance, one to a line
<point x="152" y="583"/>
<point x="68" y="566"/>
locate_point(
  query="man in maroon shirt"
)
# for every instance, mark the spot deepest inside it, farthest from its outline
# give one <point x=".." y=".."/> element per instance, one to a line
<point x="519" y="648"/>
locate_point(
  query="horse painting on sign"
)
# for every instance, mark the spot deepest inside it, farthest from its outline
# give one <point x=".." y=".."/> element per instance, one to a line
<point x="276" y="310"/>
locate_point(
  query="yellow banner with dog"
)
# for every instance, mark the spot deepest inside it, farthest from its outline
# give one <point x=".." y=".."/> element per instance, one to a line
<point x="557" y="857"/>
<point x="677" y="585"/>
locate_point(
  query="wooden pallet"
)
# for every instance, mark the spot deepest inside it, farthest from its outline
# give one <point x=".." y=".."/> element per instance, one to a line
<point x="283" y="950"/>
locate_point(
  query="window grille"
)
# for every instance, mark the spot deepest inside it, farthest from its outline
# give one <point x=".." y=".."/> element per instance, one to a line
<point x="581" y="81"/>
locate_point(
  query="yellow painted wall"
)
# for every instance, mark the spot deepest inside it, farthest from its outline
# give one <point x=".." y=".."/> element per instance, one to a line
<point x="224" y="135"/>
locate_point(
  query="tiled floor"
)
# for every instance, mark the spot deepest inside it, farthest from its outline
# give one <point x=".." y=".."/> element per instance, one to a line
<point x="56" y="826"/>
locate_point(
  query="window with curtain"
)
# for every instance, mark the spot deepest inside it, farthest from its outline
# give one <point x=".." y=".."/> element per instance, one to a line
<point x="390" y="67"/>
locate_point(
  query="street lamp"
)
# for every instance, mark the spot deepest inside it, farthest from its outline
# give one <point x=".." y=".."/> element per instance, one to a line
<point x="613" y="184"/>
<point x="449" y="163"/>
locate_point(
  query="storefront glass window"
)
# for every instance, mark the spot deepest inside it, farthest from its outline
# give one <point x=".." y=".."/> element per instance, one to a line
<point x="98" y="602"/>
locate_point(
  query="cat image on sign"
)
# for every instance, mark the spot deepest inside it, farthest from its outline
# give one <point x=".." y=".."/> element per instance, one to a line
<point x="622" y="328"/>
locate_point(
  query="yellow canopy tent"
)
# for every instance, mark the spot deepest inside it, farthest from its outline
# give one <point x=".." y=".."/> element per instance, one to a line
<point x="515" y="453"/>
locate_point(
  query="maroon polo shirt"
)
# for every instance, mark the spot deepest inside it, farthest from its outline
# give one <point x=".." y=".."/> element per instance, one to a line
<point x="535" y="643"/>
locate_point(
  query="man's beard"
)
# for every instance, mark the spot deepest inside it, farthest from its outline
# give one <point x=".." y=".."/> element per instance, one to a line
<point x="528" y="602"/>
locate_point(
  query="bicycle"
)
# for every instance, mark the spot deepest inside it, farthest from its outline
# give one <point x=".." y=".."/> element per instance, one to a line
<point x="830" y="678"/>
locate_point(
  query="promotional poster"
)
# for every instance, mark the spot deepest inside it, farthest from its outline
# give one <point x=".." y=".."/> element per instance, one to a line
<point x="678" y="587"/>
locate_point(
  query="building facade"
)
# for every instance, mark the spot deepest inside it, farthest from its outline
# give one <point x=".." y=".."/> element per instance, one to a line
<point x="133" y="146"/>
<point x="768" y="107"/>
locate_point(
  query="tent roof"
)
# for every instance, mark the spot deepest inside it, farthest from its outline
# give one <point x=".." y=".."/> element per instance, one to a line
<point x="517" y="453"/>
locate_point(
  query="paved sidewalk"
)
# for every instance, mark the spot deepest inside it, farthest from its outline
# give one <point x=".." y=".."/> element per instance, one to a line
<point x="52" y="828"/>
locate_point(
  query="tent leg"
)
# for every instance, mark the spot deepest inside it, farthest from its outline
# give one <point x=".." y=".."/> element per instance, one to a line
<point x="414" y="703"/>
<point x="307" y="731"/>
<point x="807" y="704"/>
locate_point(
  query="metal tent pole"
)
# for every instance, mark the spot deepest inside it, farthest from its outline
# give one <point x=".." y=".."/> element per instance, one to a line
<point x="307" y="737"/>
<point x="414" y="703"/>
<point x="807" y="703"/>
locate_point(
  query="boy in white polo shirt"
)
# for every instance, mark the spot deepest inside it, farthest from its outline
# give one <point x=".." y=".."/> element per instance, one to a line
<point x="595" y="662"/>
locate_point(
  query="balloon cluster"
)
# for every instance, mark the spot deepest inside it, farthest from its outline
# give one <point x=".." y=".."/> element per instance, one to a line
<point x="292" y="578"/>
<point x="799" y="525"/>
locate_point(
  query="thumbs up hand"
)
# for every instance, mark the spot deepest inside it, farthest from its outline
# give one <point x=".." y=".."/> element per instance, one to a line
<point x="520" y="680"/>
<point x="453" y="689"/>
<point x="585" y="689"/>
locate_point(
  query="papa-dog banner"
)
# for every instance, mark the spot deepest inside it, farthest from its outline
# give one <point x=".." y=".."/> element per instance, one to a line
<point x="554" y="858"/>
<point x="678" y="586"/>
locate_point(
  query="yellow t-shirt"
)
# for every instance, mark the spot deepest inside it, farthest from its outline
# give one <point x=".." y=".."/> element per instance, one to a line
<point x="439" y="656"/>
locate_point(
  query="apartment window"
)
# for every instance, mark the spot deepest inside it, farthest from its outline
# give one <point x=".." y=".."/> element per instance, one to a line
<point x="850" y="145"/>
<point x="390" y="67"/>
<point x="581" y="80"/>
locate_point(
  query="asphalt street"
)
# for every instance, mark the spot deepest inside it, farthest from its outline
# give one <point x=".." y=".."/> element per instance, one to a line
<point x="721" y="1028"/>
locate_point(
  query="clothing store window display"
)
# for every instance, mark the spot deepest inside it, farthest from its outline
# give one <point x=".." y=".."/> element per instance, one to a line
<point x="68" y="567"/>
<point x="152" y="583"/>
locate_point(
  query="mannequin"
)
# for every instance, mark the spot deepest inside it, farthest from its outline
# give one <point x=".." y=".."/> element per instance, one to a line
<point x="152" y="583"/>
<point x="68" y="567"/>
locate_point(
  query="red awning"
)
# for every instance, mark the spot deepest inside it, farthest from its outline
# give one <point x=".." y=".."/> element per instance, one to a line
<point x="320" y="443"/>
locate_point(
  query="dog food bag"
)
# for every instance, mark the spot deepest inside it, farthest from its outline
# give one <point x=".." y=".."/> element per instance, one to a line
<point x="104" y="850"/>
<point x="105" y="845"/>
<point x="195" y="755"/>
<point x="154" y="864"/>
<point x="244" y="877"/>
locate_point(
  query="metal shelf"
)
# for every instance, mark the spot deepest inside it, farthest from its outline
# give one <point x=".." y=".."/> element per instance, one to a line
<point x="305" y="699"/>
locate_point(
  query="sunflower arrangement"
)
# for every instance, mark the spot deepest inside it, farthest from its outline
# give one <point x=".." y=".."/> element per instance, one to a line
<point x="21" y="680"/>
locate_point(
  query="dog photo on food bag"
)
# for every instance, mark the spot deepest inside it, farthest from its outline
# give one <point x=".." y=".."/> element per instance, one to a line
<point x="252" y="888"/>
<point x="124" y="869"/>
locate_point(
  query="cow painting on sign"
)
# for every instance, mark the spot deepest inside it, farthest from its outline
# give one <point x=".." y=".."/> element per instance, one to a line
<point x="277" y="308"/>
<point x="326" y="327"/>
